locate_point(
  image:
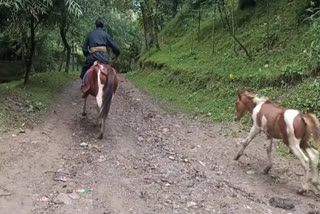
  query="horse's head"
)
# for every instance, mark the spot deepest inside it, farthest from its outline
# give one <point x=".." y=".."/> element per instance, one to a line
<point x="245" y="102"/>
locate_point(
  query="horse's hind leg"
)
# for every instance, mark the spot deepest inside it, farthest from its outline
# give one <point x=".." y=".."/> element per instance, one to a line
<point x="314" y="159"/>
<point x="295" y="148"/>
<point x="269" y="150"/>
<point x="102" y="127"/>
<point x="84" y="107"/>
<point x="103" y="120"/>
<point x="98" y="121"/>
<point x="253" y="133"/>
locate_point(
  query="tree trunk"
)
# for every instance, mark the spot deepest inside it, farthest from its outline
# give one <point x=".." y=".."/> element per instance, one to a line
<point x="226" y="24"/>
<point x="144" y="18"/>
<point x="213" y="22"/>
<point x="63" y="33"/>
<point x="73" y="55"/>
<point x="156" y="39"/>
<point x="150" y="24"/>
<point x="199" y="20"/>
<point x="155" y="26"/>
<point x="61" y="59"/>
<point x="31" y="51"/>
<point x="243" y="4"/>
<point x="68" y="60"/>
<point x="174" y="7"/>
<point x="233" y="26"/>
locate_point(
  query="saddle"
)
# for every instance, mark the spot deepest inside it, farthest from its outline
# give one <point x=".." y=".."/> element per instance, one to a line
<point x="89" y="81"/>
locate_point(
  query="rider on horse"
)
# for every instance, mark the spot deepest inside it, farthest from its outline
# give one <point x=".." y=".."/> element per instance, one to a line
<point x="95" y="47"/>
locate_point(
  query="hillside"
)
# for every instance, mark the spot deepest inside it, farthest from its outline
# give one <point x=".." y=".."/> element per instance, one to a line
<point x="282" y="42"/>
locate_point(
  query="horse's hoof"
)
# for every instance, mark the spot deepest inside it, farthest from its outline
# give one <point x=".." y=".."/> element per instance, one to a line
<point x="301" y="191"/>
<point x="100" y="136"/>
<point x="266" y="170"/>
<point x="84" y="114"/>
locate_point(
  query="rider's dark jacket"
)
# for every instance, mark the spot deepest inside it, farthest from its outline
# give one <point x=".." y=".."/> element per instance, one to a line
<point x="98" y="37"/>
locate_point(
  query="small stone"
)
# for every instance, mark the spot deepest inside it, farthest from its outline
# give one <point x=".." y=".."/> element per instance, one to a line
<point x="167" y="202"/>
<point x="63" y="198"/>
<point x="22" y="131"/>
<point x="165" y="130"/>
<point x="283" y="203"/>
<point x="74" y="196"/>
<point x="140" y="139"/>
<point x="250" y="172"/>
<point x="202" y="164"/>
<point x="44" y="199"/>
<point x="219" y="173"/>
<point x="60" y="178"/>
<point x="191" y="204"/>
<point x="102" y="158"/>
<point x="171" y="157"/>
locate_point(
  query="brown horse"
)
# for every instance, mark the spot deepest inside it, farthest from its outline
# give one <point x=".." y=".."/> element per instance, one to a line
<point x="100" y="81"/>
<point x="292" y="126"/>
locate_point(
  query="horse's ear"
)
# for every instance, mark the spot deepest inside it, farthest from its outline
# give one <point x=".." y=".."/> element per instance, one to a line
<point x="239" y="95"/>
<point x="249" y="94"/>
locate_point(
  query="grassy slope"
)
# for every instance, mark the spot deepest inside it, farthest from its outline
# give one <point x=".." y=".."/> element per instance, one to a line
<point x="200" y="82"/>
<point x="22" y="104"/>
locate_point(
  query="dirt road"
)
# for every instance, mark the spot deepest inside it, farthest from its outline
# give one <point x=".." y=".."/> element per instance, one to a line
<point x="149" y="162"/>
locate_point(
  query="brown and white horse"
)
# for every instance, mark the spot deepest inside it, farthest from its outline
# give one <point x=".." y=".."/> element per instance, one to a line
<point x="100" y="81"/>
<point x="292" y="126"/>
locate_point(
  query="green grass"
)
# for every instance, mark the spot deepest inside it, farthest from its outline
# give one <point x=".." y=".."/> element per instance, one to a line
<point x="183" y="99"/>
<point x="218" y="103"/>
<point x="267" y="68"/>
<point x="201" y="83"/>
<point x="22" y="105"/>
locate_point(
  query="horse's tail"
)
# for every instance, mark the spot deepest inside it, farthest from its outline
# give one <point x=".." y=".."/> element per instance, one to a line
<point x="108" y="92"/>
<point x="313" y="128"/>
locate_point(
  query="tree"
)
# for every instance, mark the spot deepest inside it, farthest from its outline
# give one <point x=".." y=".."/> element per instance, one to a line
<point x="35" y="30"/>
<point x="150" y="23"/>
<point x="63" y="13"/>
<point x="32" y="13"/>
<point x="246" y="4"/>
<point x="226" y="23"/>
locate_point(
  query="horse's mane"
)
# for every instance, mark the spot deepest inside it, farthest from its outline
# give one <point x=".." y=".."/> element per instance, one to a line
<point x="256" y="99"/>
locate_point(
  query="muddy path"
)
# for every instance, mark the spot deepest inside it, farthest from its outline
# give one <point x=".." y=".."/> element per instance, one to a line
<point x="149" y="162"/>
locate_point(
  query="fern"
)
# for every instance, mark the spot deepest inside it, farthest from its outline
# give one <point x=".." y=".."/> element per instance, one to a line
<point x="74" y="8"/>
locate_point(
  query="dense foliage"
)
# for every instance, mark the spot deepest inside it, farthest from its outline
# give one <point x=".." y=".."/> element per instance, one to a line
<point x="47" y="35"/>
<point x="213" y="48"/>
